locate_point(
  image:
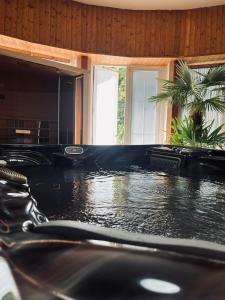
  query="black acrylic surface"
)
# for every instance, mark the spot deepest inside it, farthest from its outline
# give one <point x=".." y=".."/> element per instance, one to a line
<point x="166" y="191"/>
<point x="45" y="269"/>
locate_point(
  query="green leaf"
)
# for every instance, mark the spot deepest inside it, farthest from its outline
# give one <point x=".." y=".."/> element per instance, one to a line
<point x="185" y="134"/>
<point x="215" y="76"/>
<point x="214" y="103"/>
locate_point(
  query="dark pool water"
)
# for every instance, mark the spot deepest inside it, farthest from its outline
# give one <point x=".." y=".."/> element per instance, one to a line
<point x="138" y="201"/>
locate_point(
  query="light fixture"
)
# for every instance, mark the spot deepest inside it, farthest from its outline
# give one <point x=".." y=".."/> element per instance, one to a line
<point x="159" y="286"/>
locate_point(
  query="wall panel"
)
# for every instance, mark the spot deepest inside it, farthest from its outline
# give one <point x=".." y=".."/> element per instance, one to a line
<point x="72" y="25"/>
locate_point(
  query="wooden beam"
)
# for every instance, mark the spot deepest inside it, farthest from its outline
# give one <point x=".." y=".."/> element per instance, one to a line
<point x="63" y="68"/>
<point x="36" y="54"/>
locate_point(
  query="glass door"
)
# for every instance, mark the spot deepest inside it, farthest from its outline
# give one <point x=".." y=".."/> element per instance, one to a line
<point x="105" y="102"/>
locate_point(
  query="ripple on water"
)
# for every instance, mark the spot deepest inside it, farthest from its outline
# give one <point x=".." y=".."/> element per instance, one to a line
<point x="137" y="201"/>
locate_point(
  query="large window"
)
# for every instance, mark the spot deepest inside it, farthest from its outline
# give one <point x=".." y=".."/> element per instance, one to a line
<point x="145" y="121"/>
<point x="122" y="110"/>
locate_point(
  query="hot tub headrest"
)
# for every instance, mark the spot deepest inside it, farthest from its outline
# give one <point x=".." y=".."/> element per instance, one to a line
<point x="13" y="176"/>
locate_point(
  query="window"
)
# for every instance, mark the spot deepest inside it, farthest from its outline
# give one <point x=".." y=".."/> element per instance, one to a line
<point x="124" y="93"/>
<point x="145" y="120"/>
<point x="105" y="101"/>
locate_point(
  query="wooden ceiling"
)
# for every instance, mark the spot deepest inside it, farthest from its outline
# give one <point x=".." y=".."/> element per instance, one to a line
<point x="109" y="31"/>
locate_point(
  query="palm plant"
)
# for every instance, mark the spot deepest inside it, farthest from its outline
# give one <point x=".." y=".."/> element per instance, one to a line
<point x="196" y="92"/>
<point x="184" y="134"/>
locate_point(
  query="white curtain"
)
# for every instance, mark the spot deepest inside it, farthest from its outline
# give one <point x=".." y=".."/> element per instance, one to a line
<point x="148" y="119"/>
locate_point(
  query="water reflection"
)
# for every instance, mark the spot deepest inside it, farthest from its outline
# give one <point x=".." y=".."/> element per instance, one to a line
<point x="137" y="201"/>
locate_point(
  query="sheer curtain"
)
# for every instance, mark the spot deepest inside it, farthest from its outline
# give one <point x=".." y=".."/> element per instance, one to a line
<point x="148" y="119"/>
<point x="143" y="114"/>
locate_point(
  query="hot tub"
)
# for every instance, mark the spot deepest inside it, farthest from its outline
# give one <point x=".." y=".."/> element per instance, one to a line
<point x="138" y="216"/>
<point x="159" y="190"/>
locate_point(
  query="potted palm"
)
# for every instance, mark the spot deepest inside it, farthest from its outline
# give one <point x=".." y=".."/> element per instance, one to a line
<point x="197" y="93"/>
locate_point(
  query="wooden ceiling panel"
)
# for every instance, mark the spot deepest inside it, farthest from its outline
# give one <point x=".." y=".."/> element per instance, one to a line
<point x="118" y="32"/>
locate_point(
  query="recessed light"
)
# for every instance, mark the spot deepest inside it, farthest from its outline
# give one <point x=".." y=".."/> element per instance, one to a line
<point x="159" y="286"/>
